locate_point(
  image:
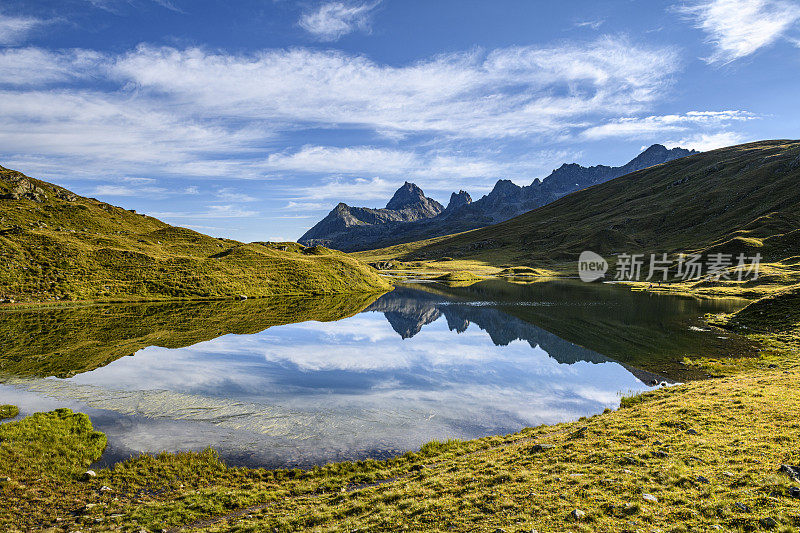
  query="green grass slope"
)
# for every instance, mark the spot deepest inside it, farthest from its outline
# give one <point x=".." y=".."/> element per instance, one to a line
<point x="55" y="245"/>
<point x="736" y="199"/>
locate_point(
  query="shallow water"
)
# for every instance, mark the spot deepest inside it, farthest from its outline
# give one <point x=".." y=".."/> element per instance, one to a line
<point x="350" y="378"/>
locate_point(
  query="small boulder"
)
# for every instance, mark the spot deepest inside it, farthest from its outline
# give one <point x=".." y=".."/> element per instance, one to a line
<point x="89" y="474"/>
<point x="768" y="522"/>
<point x="649" y="498"/>
<point x="241" y="297"/>
<point x="791" y="471"/>
<point x="577" y="514"/>
<point x="794" y="492"/>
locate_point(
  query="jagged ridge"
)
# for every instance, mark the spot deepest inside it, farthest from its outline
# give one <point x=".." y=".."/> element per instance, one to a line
<point x="411" y="216"/>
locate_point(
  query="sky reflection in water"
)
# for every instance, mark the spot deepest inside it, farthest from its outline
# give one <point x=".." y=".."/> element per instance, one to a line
<point x="407" y="370"/>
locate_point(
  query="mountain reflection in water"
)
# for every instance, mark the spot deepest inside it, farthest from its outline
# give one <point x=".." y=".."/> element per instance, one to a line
<point x="353" y="385"/>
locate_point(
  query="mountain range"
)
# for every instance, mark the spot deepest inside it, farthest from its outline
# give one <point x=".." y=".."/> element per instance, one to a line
<point x="739" y="199"/>
<point x="411" y="216"/>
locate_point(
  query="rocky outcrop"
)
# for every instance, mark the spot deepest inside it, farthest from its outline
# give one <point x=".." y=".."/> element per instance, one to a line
<point x="411" y="216"/>
<point x="23" y="188"/>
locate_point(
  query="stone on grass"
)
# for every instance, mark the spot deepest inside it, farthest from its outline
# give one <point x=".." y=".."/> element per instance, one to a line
<point x="649" y="498"/>
<point x="792" y="471"/>
<point x="577" y="514"/>
<point x="768" y="522"/>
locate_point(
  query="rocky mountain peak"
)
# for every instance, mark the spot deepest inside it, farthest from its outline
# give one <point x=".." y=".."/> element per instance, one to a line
<point x="459" y="199"/>
<point x="505" y="188"/>
<point x="657" y="154"/>
<point x="409" y="195"/>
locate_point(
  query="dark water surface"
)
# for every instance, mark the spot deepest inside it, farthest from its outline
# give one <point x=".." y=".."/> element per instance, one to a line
<point x="301" y="381"/>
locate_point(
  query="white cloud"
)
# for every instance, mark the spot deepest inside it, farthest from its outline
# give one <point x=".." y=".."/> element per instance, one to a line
<point x="516" y="91"/>
<point x="34" y="66"/>
<point x="708" y="141"/>
<point x="593" y="24"/>
<point x="738" y="28"/>
<point x="332" y="20"/>
<point x="114" y="190"/>
<point x="174" y="111"/>
<point x="349" y="188"/>
<point x="306" y="206"/>
<point x="230" y="195"/>
<point x="117" y="6"/>
<point x="14" y="30"/>
<point x="211" y="212"/>
<point x="644" y="127"/>
<point x="334" y="160"/>
<point x="435" y="168"/>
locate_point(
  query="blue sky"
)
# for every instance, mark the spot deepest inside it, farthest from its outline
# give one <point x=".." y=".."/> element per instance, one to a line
<point x="252" y="119"/>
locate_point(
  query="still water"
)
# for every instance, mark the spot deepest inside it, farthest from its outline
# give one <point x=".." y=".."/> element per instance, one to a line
<point x="297" y="382"/>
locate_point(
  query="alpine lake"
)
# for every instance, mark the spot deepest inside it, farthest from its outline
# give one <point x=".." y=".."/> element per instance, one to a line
<point x="305" y="381"/>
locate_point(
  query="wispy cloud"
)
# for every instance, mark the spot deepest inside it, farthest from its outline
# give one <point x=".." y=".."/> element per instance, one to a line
<point x="333" y="20"/>
<point x="593" y="24"/>
<point x="210" y="212"/>
<point x="168" y="110"/>
<point x="350" y="160"/>
<point x="646" y="127"/>
<point x="118" y="6"/>
<point x="230" y="195"/>
<point x="505" y="92"/>
<point x="348" y="188"/>
<point x="34" y="66"/>
<point x="123" y="190"/>
<point x="738" y="28"/>
<point x="708" y="141"/>
<point x="14" y="30"/>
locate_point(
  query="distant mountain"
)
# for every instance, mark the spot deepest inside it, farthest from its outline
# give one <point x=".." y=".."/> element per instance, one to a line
<point x="411" y="216"/>
<point x="408" y="204"/>
<point x="739" y="199"/>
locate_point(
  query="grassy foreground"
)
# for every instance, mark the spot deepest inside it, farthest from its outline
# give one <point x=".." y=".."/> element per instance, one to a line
<point x="696" y="457"/>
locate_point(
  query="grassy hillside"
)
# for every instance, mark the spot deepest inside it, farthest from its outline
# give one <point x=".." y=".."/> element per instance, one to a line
<point x="736" y="199"/>
<point x="55" y="245"/>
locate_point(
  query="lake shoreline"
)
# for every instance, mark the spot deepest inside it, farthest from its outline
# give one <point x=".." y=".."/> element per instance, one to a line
<point x="723" y="438"/>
